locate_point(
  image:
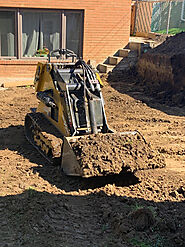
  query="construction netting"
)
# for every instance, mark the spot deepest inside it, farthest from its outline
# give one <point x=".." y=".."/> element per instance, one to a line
<point x="166" y="17"/>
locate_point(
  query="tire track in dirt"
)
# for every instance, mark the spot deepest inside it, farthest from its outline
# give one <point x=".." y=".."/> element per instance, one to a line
<point x="74" y="219"/>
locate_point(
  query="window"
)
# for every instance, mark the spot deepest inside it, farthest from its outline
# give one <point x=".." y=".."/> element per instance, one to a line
<point x="7" y="33"/>
<point x="40" y="30"/>
<point x="37" y="30"/>
<point x="73" y="32"/>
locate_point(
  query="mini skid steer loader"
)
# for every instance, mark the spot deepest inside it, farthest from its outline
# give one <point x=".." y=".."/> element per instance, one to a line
<point x="70" y="107"/>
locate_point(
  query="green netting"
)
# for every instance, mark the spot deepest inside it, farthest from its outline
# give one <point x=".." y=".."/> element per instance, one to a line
<point x="164" y="18"/>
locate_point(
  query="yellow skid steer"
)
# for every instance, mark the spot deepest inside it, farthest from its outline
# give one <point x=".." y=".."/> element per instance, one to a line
<point x="71" y="107"/>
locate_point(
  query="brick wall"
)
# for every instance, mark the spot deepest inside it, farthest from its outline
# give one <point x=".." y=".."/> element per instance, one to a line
<point x="12" y="68"/>
<point x="106" y="26"/>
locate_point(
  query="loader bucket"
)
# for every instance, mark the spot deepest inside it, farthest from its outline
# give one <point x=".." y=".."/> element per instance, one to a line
<point x="107" y="154"/>
<point x="69" y="164"/>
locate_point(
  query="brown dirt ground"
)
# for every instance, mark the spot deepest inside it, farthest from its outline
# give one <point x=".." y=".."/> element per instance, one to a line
<point x="41" y="207"/>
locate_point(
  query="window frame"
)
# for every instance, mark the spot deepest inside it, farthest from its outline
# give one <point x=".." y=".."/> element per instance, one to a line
<point x="18" y="30"/>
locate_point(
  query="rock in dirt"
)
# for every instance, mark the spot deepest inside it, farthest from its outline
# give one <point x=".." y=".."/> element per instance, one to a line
<point x="142" y="219"/>
<point x="103" y="154"/>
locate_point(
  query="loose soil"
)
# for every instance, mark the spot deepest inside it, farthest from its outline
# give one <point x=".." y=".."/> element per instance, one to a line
<point x="39" y="206"/>
<point x="172" y="45"/>
<point x="102" y="154"/>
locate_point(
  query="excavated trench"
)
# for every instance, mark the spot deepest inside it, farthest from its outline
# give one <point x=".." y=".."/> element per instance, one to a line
<point x="162" y="68"/>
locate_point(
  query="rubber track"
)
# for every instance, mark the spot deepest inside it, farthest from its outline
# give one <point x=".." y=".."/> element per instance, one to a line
<point x="48" y="131"/>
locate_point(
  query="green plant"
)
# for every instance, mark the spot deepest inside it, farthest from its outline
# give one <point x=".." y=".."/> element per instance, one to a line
<point x="153" y="210"/>
<point x="138" y="243"/>
<point x="31" y="191"/>
<point x="159" y="242"/>
<point x="172" y="31"/>
<point x="42" y="52"/>
<point x="136" y="207"/>
<point x="104" y="227"/>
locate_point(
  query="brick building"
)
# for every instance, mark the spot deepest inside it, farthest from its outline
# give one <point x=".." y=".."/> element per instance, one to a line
<point x="94" y="29"/>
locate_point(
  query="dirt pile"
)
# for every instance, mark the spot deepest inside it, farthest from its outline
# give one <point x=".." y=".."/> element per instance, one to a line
<point x="162" y="68"/>
<point x="103" y="154"/>
<point x="173" y="45"/>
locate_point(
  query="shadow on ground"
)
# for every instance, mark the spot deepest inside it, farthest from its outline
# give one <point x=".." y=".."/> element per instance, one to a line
<point x="43" y="219"/>
<point x="13" y="138"/>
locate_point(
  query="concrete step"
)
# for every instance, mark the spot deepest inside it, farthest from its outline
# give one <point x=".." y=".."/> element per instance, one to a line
<point x="123" y="52"/>
<point x="114" y="60"/>
<point x="105" y="68"/>
<point x="135" y="46"/>
<point x="151" y="43"/>
<point x="7" y="82"/>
